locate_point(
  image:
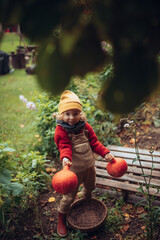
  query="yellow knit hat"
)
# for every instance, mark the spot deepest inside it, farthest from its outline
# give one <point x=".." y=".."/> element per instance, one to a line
<point x="69" y="100"/>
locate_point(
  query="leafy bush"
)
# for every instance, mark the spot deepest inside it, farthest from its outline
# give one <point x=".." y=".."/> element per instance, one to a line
<point x="8" y="190"/>
<point x="114" y="220"/>
<point x="21" y="178"/>
<point x="47" y="105"/>
<point x="32" y="173"/>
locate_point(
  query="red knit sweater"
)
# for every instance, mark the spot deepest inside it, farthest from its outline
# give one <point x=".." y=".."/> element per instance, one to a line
<point x="64" y="144"/>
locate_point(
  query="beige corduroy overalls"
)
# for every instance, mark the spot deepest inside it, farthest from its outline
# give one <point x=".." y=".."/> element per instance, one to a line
<point x="83" y="165"/>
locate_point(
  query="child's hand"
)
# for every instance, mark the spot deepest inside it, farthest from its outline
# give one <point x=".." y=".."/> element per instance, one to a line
<point x="66" y="161"/>
<point x="109" y="157"/>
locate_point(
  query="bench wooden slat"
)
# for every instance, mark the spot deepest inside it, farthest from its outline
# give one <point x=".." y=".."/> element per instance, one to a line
<point x="122" y="185"/>
<point x="131" y="180"/>
<point x="132" y="150"/>
<point x="129" y="162"/>
<point x="132" y="169"/>
<point x="132" y="156"/>
<point x="127" y="177"/>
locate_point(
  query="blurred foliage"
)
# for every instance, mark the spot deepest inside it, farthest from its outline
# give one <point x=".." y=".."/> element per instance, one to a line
<point x="69" y="34"/>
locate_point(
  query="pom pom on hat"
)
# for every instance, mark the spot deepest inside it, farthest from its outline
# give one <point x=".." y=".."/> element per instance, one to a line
<point x="69" y="100"/>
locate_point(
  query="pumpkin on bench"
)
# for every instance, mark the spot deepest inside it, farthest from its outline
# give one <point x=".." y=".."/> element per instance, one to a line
<point x="130" y="182"/>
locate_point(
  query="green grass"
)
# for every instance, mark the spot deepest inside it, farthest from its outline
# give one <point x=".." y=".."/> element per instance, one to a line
<point x="16" y="121"/>
<point x="10" y="41"/>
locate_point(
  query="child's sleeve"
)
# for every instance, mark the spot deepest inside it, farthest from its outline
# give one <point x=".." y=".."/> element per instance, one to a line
<point x="96" y="146"/>
<point x="63" y="143"/>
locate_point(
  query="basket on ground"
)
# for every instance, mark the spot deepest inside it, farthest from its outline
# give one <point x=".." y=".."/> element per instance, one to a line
<point x="87" y="214"/>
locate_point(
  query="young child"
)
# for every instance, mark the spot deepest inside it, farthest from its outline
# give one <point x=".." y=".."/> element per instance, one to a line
<point x="76" y="142"/>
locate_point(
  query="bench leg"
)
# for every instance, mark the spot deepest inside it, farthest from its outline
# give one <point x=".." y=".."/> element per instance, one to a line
<point x="125" y="195"/>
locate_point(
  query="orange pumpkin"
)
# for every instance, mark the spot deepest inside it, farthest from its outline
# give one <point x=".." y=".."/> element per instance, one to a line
<point x="64" y="181"/>
<point x="117" y="167"/>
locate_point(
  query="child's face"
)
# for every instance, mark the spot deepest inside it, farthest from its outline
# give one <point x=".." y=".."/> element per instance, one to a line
<point x="71" y="116"/>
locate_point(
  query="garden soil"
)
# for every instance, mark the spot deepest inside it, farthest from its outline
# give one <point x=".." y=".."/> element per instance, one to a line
<point x="40" y="219"/>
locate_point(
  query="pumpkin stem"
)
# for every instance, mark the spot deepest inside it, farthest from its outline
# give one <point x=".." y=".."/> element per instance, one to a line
<point x="113" y="160"/>
<point x="66" y="167"/>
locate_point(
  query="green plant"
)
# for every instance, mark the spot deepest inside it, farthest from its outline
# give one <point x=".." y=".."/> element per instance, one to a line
<point x="10" y="192"/>
<point x="114" y="219"/>
<point x="152" y="217"/>
<point x="47" y="105"/>
<point x="32" y="173"/>
<point x="21" y="179"/>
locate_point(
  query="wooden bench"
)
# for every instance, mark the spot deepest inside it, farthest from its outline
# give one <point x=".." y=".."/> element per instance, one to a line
<point x="129" y="183"/>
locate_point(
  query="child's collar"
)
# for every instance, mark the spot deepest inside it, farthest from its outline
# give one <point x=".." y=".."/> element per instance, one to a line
<point x="74" y="128"/>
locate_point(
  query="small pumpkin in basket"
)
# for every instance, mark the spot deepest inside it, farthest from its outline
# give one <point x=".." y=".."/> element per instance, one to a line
<point x="117" y="167"/>
<point x="64" y="181"/>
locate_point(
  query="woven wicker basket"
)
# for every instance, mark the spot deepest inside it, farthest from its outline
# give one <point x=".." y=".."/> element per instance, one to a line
<point x="87" y="214"/>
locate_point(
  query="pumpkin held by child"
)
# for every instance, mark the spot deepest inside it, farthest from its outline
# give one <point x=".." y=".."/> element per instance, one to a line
<point x="64" y="181"/>
<point x="117" y="167"/>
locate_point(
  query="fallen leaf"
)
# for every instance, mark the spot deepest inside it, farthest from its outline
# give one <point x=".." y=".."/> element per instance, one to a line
<point x="48" y="170"/>
<point x="94" y="237"/>
<point x="132" y="140"/>
<point x="53" y="170"/>
<point x="126" y="215"/>
<point x="124" y="228"/>
<point x="145" y="128"/>
<point x="147" y="122"/>
<point x="119" y="236"/>
<point x="126" y="145"/>
<point x="138" y="133"/>
<point x="51" y="219"/>
<point x="51" y="199"/>
<point x="143" y="227"/>
<point x="43" y="202"/>
<point x="140" y="210"/>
